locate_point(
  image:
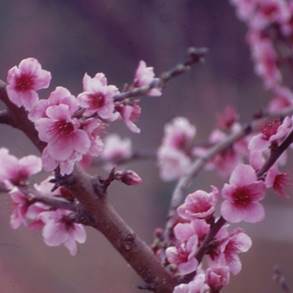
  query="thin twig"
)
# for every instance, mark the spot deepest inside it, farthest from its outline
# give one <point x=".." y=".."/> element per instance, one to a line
<point x="194" y="56"/>
<point x="184" y="182"/>
<point x="280" y="279"/>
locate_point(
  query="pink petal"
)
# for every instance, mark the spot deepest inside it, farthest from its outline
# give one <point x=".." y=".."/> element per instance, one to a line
<point x="59" y="112"/>
<point x="254" y="213"/>
<point x="188" y="267"/>
<point x="70" y="244"/>
<point x="32" y="164"/>
<point x="81" y="141"/>
<point x="257" y="143"/>
<point x="54" y="233"/>
<point x="231" y="213"/>
<point x="243" y="175"/>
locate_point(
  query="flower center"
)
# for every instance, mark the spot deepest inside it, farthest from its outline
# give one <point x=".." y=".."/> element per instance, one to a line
<point x="97" y="100"/>
<point x="182" y="255"/>
<point x="24" y="82"/>
<point x="270" y="10"/>
<point x="242" y="197"/>
<point x="64" y="128"/>
<point x="270" y="128"/>
<point x="200" y="206"/>
<point x="20" y="177"/>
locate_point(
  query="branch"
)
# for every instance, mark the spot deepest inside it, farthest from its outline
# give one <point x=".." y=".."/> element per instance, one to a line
<point x="194" y="56"/>
<point x="5" y="118"/>
<point x="280" y="279"/>
<point x="106" y="220"/>
<point x="184" y="182"/>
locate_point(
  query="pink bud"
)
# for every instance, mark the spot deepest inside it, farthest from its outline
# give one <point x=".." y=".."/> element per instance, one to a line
<point x="129" y="177"/>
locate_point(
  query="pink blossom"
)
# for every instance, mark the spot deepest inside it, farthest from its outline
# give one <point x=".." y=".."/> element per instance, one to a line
<point x="227" y="119"/>
<point x="97" y="97"/>
<point x="198" y="205"/>
<point x="17" y="171"/>
<point x="277" y="180"/>
<point x="184" y="231"/>
<point x="179" y="134"/>
<point x="24" y="80"/>
<point x="272" y="131"/>
<point x="183" y="256"/>
<point x="64" y="137"/>
<point x="283" y="99"/>
<point x="172" y="163"/>
<point x="128" y="177"/>
<point x="144" y="76"/>
<point x="60" y="96"/>
<point x="60" y="229"/>
<point x="238" y="242"/>
<point x="198" y="285"/>
<point x="242" y="196"/>
<point x="217" y="277"/>
<point x="20" y="205"/>
<point x="116" y="149"/>
<point x="130" y="114"/>
<point x="245" y="8"/>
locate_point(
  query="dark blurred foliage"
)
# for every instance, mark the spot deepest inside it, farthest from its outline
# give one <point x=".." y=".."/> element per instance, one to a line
<point x="71" y="37"/>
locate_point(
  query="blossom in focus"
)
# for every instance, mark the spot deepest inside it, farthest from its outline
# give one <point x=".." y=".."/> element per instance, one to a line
<point x="60" y="229"/>
<point x="65" y="140"/>
<point x="242" y="196"/>
<point x="97" y="97"/>
<point x="144" y="76"/>
<point x="198" y="285"/>
<point x="217" y="276"/>
<point x="130" y="114"/>
<point x="24" y="80"/>
<point x="199" y="204"/>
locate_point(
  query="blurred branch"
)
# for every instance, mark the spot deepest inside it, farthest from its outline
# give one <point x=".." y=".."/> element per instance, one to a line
<point x="280" y="279"/>
<point x="5" y="118"/>
<point x="184" y="182"/>
<point x="105" y="219"/>
<point x="194" y="56"/>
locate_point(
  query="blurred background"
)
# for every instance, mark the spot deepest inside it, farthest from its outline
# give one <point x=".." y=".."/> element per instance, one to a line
<point x="71" y="37"/>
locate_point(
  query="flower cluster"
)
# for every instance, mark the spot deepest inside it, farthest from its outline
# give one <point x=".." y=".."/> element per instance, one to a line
<point x="72" y="126"/>
<point x="269" y="36"/>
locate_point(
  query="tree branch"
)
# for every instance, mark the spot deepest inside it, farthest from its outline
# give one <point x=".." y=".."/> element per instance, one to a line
<point x="194" y="56"/>
<point x="136" y="252"/>
<point x="184" y="182"/>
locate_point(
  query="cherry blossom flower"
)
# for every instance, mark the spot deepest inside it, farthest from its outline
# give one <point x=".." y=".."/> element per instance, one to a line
<point x="172" y="163"/>
<point x="130" y="114"/>
<point x="20" y="205"/>
<point x="217" y="277"/>
<point x="144" y="76"/>
<point x="17" y="171"/>
<point x="60" y="96"/>
<point x="277" y="180"/>
<point x="199" y="204"/>
<point x="64" y="137"/>
<point x="60" y="229"/>
<point x="198" y="285"/>
<point x="228" y="118"/>
<point x="116" y="149"/>
<point x="183" y="256"/>
<point x="179" y="134"/>
<point x="242" y="196"/>
<point x="238" y="242"/>
<point x="24" y="80"/>
<point x="98" y="96"/>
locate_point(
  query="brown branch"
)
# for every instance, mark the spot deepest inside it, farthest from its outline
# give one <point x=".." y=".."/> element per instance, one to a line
<point x="280" y="279"/>
<point x="135" y="251"/>
<point x="5" y="118"/>
<point x="194" y="56"/>
<point x="184" y="182"/>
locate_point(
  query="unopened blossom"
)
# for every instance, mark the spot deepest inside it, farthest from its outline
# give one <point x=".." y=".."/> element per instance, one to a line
<point x="128" y="177"/>
<point x="97" y="97"/>
<point x="277" y="180"/>
<point x="242" y="196"/>
<point x="217" y="276"/>
<point x="144" y="76"/>
<point x="24" y="80"/>
<point x="179" y="134"/>
<point x="17" y="171"/>
<point x="130" y="113"/>
<point x="172" y="163"/>
<point x="60" y="130"/>
<point x="116" y="149"/>
<point x="183" y="255"/>
<point x="60" y="229"/>
<point x="199" y="204"/>
<point x="238" y="242"/>
<point x="198" y="285"/>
